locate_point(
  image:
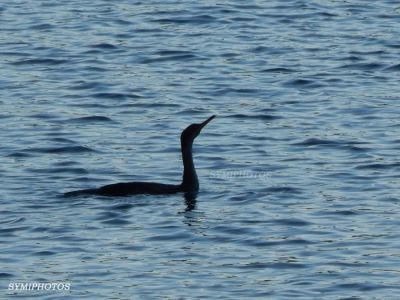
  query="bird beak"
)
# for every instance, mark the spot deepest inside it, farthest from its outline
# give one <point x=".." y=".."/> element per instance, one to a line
<point x="206" y="122"/>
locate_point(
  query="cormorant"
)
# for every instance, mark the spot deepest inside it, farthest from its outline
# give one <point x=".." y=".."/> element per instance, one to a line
<point x="189" y="184"/>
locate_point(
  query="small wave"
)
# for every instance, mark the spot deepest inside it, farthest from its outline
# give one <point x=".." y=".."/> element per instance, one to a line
<point x="6" y="275"/>
<point x="40" y="61"/>
<point x="122" y="206"/>
<point x="116" y="221"/>
<point x="172" y="52"/>
<point x="315" y="142"/>
<point x="225" y="91"/>
<point x="41" y="27"/>
<point x="393" y="68"/>
<point x="75" y="171"/>
<point x="307" y="83"/>
<point x="363" y="66"/>
<point x="343" y="212"/>
<point x="181" y="57"/>
<point x="394" y="46"/>
<point x="282" y="189"/>
<point x="278" y="70"/>
<point x="276" y="265"/>
<point x="195" y="20"/>
<point x="61" y="150"/>
<point x="104" y="46"/>
<point x="291" y="222"/>
<point x="12" y="229"/>
<point x="115" y="96"/>
<point x="344" y="145"/>
<point x="20" y="154"/>
<point x="379" y="166"/>
<point x="263" y="117"/>
<point x="91" y="119"/>
<point x="61" y="140"/>
<point x="45" y="116"/>
<point x="84" y="85"/>
<point x="44" y="253"/>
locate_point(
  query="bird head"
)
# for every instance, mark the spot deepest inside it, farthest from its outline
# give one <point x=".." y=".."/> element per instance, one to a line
<point x="193" y="130"/>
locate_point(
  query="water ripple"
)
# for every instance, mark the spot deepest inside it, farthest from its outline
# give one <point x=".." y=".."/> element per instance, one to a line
<point x="299" y="172"/>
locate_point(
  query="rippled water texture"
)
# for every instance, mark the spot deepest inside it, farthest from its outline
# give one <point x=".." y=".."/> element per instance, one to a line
<point x="299" y="172"/>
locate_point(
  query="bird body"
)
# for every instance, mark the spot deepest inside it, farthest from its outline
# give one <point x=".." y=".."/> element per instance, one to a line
<point x="189" y="184"/>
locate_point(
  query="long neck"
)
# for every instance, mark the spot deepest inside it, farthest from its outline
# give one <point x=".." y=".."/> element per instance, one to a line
<point x="190" y="181"/>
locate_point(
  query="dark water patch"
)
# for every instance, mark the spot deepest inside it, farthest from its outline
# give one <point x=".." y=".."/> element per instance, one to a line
<point x="350" y="58"/>
<point x="363" y="287"/>
<point x="83" y="85"/>
<point x="393" y="68"/>
<point x="303" y="83"/>
<point x="115" y="96"/>
<point x="148" y="30"/>
<point x="41" y="27"/>
<point x="95" y="69"/>
<point x="13" y="221"/>
<point x="394" y="46"/>
<point x="374" y="66"/>
<point x="379" y="166"/>
<point x="61" y="140"/>
<point x="6" y="275"/>
<point x="323" y="142"/>
<point x="276" y="265"/>
<point x="193" y="20"/>
<point x="104" y="46"/>
<point x="91" y="119"/>
<point x="262" y="117"/>
<point x="44" y="116"/>
<point x="357" y="148"/>
<point x="61" y="150"/>
<point x="20" y="154"/>
<point x="242" y="19"/>
<point x="291" y="222"/>
<point x="2" y="116"/>
<point x="40" y="61"/>
<point x="116" y="221"/>
<point x="341" y="213"/>
<point x="4" y="231"/>
<point x="151" y="105"/>
<point x="39" y="229"/>
<point x="278" y="243"/>
<point x="122" y="22"/>
<point x="108" y="215"/>
<point x="74" y="171"/>
<point x="121" y="207"/>
<point x="278" y="70"/>
<point x="133" y="248"/>
<point x="247" y="6"/>
<point x="44" y="253"/>
<point x="173" y="52"/>
<point x="368" y="53"/>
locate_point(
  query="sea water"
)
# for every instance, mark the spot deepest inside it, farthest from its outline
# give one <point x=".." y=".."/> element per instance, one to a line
<point x="299" y="173"/>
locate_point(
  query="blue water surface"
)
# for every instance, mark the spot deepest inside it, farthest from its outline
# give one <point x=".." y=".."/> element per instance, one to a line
<point x="299" y="172"/>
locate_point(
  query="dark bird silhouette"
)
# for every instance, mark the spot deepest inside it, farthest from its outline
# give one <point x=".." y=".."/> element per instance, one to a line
<point x="189" y="184"/>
